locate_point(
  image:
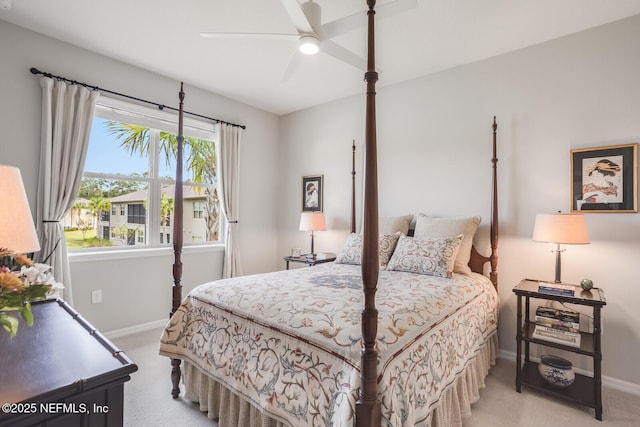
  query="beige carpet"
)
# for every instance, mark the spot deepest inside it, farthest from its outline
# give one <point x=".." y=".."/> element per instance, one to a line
<point x="148" y="399"/>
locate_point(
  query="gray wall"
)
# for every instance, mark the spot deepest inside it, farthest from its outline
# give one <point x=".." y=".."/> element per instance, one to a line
<point x="434" y="136"/>
<point x="136" y="291"/>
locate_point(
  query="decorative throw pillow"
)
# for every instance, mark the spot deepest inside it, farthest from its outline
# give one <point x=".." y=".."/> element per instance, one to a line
<point x="386" y="246"/>
<point x="432" y="227"/>
<point x="425" y="256"/>
<point x="351" y="253"/>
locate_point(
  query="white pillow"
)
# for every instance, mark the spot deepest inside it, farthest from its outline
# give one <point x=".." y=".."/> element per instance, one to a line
<point x="426" y="256"/>
<point x="351" y="252"/>
<point x="394" y="224"/>
<point x="431" y="227"/>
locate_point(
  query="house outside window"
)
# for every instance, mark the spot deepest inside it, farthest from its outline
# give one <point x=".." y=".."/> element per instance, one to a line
<point x="130" y="169"/>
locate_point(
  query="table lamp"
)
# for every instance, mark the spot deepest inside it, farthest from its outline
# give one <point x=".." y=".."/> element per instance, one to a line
<point x="17" y="232"/>
<point x="312" y="221"/>
<point x="565" y="229"/>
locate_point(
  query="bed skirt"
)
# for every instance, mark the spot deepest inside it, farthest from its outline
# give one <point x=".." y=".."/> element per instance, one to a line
<point x="230" y="410"/>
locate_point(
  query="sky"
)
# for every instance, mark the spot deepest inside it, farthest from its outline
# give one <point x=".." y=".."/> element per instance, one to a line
<point x="106" y="156"/>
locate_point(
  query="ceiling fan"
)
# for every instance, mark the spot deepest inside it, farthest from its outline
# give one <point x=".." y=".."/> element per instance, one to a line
<point x="314" y="37"/>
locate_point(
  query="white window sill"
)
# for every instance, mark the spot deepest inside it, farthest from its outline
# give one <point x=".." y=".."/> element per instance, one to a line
<point x="115" y="254"/>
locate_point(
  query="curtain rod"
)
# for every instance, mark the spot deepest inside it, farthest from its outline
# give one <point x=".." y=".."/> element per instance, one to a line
<point x="160" y="106"/>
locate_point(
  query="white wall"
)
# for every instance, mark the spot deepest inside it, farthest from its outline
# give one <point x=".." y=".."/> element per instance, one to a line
<point x="136" y="290"/>
<point x="434" y="139"/>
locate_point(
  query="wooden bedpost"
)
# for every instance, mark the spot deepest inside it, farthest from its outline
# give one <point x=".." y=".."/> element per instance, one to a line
<point x="368" y="405"/>
<point x="494" y="212"/>
<point x="353" y="187"/>
<point x="177" y="242"/>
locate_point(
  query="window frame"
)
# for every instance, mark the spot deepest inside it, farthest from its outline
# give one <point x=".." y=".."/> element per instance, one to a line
<point x="117" y="110"/>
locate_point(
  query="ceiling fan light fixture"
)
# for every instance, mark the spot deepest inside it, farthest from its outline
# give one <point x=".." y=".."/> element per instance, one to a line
<point x="309" y="45"/>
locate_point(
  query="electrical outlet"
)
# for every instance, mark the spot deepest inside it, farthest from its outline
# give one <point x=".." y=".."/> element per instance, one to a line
<point x="96" y="297"/>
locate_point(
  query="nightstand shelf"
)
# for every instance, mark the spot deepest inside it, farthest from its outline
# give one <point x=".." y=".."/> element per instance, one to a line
<point x="585" y="390"/>
<point x="582" y="391"/>
<point x="587" y="344"/>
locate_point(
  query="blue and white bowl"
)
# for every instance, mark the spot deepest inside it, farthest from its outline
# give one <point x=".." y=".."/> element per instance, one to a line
<point x="556" y="371"/>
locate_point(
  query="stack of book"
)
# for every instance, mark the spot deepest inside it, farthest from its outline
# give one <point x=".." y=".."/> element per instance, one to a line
<point x="559" y="326"/>
<point x="557" y="289"/>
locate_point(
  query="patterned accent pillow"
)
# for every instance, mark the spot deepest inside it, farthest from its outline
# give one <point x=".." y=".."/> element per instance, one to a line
<point x="426" y="256"/>
<point x="428" y="227"/>
<point x="351" y="253"/>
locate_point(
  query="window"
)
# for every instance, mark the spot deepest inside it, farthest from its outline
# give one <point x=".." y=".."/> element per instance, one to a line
<point x="198" y="210"/>
<point x="128" y="181"/>
<point x="137" y="214"/>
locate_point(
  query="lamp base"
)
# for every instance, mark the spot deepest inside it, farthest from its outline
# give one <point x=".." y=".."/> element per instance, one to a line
<point x="311" y="256"/>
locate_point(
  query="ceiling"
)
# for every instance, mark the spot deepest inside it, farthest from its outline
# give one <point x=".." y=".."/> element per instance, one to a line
<point x="164" y="36"/>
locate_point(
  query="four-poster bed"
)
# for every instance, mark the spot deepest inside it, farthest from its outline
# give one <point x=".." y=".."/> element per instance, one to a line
<point x="280" y="349"/>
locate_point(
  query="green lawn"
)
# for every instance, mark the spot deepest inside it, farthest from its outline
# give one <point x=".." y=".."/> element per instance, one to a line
<point x="75" y="240"/>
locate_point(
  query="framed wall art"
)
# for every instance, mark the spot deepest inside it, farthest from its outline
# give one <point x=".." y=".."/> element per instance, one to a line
<point x="605" y="179"/>
<point x="312" y="193"/>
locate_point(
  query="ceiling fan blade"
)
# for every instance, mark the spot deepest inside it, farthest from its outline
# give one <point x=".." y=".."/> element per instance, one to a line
<point x="297" y="16"/>
<point x="357" y="20"/>
<point x="293" y="65"/>
<point x="273" y="36"/>
<point x="344" y="55"/>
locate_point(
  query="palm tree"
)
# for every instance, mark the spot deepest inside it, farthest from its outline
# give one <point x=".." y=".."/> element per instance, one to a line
<point x="77" y="207"/>
<point x="200" y="162"/>
<point x="166" y="207"/>
<point x="98" y="205"/>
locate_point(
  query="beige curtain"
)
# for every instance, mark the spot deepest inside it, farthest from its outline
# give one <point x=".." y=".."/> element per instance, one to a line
<point x="67" y="116"/>
<point x="228" y="148"/>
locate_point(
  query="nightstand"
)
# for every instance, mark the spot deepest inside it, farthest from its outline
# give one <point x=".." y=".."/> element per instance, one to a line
<point x="585" y="390"/>
<point x="308" y="261"/>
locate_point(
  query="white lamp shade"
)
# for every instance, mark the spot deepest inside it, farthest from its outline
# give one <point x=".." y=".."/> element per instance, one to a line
<point x="312" y="221"/>
<point x="17" y="232"/>
<point x="561" y="228"/>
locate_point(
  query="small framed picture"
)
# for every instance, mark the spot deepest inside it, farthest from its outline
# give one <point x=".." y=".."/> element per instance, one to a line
<point x="312" y="193"/>
<point x="605" y="179"/>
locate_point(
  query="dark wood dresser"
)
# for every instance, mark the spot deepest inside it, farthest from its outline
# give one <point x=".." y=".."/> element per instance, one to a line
<point x="61" y="372"/>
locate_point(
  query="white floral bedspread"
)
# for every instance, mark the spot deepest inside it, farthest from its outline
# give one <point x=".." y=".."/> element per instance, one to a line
<point x="289" y="341"/>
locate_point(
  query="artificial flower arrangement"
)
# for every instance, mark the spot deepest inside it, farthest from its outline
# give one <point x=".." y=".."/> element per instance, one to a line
<point x="21" y="282"/>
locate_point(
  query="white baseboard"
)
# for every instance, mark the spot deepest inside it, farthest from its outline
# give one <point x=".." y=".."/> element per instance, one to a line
<point x="119" y="333"/>
<point x="610" y="382"/>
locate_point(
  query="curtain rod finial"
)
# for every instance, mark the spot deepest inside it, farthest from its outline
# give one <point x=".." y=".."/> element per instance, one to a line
<point x="34" y="70"/>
